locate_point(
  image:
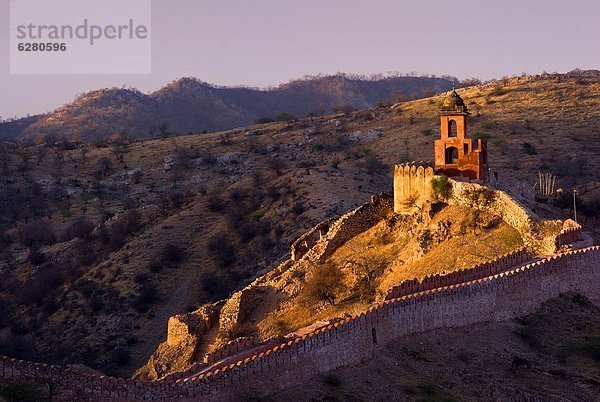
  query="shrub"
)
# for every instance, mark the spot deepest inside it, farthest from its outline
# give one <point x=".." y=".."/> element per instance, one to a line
<point x="215" y="203"/>
<point x="148" y="294"/>
<point x="332" y="380"/>
<point x="264" y="120"/>
<point x="441" y="187"/>
<point x="222" y="250"/>
<point x="498" y="90"/>
<point x="426" y="132"/>
<point x="35" y="256"/>
<point x="324" y="284"/>
<point x="80" y="227"/>
<point x="213" y="286"/>
<point x="528" y="148"/>
<point x="36" y="234"/>
<point x="171" y="253"/>
<point x="298" y="208"/>
<point x="287" y="117"/>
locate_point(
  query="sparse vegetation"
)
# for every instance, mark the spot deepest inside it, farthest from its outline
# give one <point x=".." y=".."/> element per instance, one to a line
<point x="441" y="187"/>
<point x="324" y="285"/>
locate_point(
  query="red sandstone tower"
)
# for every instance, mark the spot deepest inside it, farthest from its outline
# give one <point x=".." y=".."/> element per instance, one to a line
<point x="455" y="154"/>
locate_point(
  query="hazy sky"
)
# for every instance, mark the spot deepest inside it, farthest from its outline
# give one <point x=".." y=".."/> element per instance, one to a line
<point x="266" y="42"/>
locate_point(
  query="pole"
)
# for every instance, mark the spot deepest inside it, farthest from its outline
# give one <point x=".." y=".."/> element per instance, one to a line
<point x="574" y="204"/>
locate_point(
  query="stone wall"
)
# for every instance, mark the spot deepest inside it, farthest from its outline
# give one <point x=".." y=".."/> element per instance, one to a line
<point x="309" y="239"/>
<point x="412" y="187"/>
<point x="352" y="224"/>
<point x="486" y="269"/>
<point x="540" y="236"/>
<point x="497" y="297"/>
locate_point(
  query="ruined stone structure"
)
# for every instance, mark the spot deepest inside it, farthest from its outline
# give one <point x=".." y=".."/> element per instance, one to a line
<point x="455" y="154"/>
<point x="412" y="187"/>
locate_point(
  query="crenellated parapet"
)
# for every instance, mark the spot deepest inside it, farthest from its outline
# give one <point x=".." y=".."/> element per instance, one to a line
<point x="483" y="270"/>
<point x="412" y="186"/>
<point x="496" y="297"/>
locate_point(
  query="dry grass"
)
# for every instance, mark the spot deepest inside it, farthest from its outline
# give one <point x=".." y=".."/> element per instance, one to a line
<point x="391" y="253"/>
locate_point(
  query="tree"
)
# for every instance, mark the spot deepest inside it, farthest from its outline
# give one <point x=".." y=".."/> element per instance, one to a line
<point x="398" y="96"/>
<point x="287" y="117"/>
<point x="105" y="165"/>
<point x="324" y="284"/>
<point x="163" y="130"/>
<point x="441" y="187"/>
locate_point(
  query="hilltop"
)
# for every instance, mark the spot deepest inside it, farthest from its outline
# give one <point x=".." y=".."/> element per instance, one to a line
<point x="109" y="242"/>
<point x="190" y="105"/>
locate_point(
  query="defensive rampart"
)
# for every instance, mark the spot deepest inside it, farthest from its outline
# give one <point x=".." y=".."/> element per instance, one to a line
<point x="496" y="297"/>
<point x="486" y="269"/>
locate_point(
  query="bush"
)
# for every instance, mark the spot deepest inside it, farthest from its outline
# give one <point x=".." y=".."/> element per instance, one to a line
<point x="441" y="187"/>
<point x="298" y="208"/>
<point x="35" y="256"/>
<point x="222" y="250"/>
<point x="426" y="132"/>
<point x="36" y="234"/>
<point x="171" y="253"/>
<point x="81" y="228"/>
<point x="264" y="120"/>
<point x="287" y="117"/>
<point x="213" y="286"/>
<point x="216" y="204"/>
<point x="324" y="284"/>
<point x="528" y="148"/>
<point x="148" y="294"/>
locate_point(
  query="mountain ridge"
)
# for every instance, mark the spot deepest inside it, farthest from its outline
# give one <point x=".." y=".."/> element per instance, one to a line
<point x="190" y="105"/>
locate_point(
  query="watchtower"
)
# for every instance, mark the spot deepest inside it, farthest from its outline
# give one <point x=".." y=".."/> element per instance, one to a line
<point x="455" y="154"/>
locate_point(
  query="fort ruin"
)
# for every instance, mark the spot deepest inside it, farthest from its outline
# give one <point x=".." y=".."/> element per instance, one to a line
<point x="501" y="289"/>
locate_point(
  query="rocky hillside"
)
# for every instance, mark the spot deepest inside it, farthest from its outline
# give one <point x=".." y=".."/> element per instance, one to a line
<point x="100" y="245"/>
<point x="189" y="105"/>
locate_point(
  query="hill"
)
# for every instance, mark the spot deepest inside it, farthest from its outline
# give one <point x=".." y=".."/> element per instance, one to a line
<point x="190" y="105"/>
<point x="102" y="244"/>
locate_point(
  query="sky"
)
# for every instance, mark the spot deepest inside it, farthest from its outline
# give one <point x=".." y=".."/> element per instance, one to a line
<point x="268" y="42"/>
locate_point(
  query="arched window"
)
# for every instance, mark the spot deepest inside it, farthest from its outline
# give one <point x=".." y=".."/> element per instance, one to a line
<point x="451" y="156"/>
<point x="452" y="130"/>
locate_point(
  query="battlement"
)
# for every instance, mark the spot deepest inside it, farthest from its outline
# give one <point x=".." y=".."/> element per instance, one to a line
<point x="486" y="269"/>
<point x="412" y="186"/>
<point x="496" y="297"/>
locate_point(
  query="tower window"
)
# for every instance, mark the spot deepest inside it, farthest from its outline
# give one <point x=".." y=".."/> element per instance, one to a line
<point x="451" y="156"/>
<point x="466" y="149"/>
<point x="452" y="130"/>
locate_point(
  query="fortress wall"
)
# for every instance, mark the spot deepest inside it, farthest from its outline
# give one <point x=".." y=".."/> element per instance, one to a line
<point x="497" y="297"/>
<point x="512" y="211"/>
<point x="486" y="269"/>
<point x="570" y="233"/>
<point x="543" y="237"/>
<point x="229" y="348"/>
<point x="350" y="225"/>
<point x="309" y="239"/>
<point x="412" y="186"/>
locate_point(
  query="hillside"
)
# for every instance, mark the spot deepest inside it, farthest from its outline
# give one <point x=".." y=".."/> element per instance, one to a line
<point x="189" y="105"/>
<point x="101" y="245"/>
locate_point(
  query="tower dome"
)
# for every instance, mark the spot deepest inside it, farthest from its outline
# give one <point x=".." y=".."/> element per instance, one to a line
<point x="454" y="103"/>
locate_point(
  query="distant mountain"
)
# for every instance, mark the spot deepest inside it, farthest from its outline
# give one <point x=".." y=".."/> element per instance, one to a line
<point x="190" y="105"/>
<point x="10" y="130"/>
